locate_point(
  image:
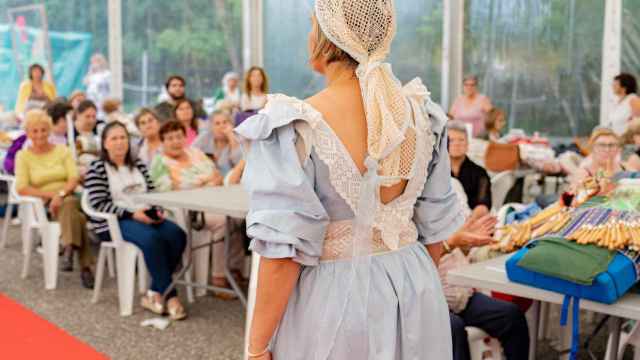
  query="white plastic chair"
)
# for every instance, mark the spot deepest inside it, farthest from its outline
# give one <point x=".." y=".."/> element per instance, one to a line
<point x="127" y="256"/>
<point x="478" y="346"/>
<point x="34" y="217"/>
<point x="501" y="183"/>
<point x="11" y="203"/>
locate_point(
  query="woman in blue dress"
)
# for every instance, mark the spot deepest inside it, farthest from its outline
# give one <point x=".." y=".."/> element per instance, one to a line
<point x="350" y="199"/>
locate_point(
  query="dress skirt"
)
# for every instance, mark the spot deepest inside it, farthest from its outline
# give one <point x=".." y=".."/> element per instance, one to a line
<point x="407" y="317"/>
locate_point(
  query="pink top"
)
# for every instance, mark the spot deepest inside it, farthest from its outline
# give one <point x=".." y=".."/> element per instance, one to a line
<point x="471" y="112"/>
<point x="191" y="135"/>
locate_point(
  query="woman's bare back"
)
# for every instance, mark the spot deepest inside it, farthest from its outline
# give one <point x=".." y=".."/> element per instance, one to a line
<point x="342" y="109"/>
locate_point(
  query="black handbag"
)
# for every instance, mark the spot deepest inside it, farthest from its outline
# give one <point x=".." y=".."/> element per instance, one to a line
<point x="196" y="219"/>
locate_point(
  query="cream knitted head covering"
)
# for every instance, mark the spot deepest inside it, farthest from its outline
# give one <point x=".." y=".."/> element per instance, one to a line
<point x="364" y="29"/>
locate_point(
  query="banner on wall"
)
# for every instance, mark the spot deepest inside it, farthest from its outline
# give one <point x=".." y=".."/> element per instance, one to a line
<point x="70" y="57"/>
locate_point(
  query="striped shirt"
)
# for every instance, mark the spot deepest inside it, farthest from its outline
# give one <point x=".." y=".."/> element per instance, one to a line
<point x="97" y="185"/>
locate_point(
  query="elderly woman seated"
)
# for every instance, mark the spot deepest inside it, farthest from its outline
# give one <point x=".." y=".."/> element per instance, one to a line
<point x="474" y="178"/>
<point x="221" y="144"/>
<point x="181" y="168"/>
<point x="149" y="127"/>
<point x="112" y="181"/>
<point x="467" y="307"/>
<point x="49" y="172"/>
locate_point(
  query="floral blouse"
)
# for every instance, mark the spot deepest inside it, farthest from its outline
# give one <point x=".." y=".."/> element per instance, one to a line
<point x="170" y="174"/>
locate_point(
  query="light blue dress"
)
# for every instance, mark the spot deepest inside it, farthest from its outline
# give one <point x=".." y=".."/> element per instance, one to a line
<point x="303" y="190"/>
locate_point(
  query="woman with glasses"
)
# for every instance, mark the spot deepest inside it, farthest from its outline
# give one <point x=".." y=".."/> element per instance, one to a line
<point x="471" y="107"/>
<point x="604" y="158"/>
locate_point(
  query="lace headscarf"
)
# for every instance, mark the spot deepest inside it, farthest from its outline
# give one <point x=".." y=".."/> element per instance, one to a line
<point x="365" y="29"/>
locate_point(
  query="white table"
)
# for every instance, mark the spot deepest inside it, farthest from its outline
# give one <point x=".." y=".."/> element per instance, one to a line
<point x="491" y="275"/>
<point x="230" y="201"/>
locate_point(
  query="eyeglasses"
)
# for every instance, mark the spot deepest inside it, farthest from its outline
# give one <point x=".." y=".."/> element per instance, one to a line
<point x="606" y="146"/>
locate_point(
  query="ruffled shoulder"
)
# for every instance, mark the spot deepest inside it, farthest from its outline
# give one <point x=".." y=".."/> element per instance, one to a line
<point x="435" y="117"/>
<point x="280" y="111"/>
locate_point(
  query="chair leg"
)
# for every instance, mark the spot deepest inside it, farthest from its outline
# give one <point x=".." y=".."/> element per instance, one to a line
<point x="102" y="257"/>
<point x="126" y="256"/>
<point x="143" y="275"/>
<point x="111" y="263"/>
<point x="27" y="249"/>
<point x="5" y="225"/>
<point x="51" y="245"/>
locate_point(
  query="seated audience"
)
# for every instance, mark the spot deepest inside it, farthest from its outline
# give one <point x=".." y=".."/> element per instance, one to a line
<point x="221" y="144"/>
<point x="185" y="115"/>
<point x="228" y="95"/>
<point x="467" y="307"/>
<point x="175" y="87"/>
<point x="36" y="92"/>
<point x="149" y="127"/>
<point x="111" y="182"/>
<point x="57" y="111"/>
<point x="256" y="86"/>
<point x="604" y="158"/>
<point x="76" y="98"/>
<point x="86" y="141"/>
<point x="112" y="109"/>
<point x="474" y="179"/>
<point x="494" y="124"/>
<point x="48" y="171"/>
<point x="631" y="139"/>
<point x="625" y="87"/>
<point x="471" y="107"/>
<point x="180" y="168"/>
<point x="254" y="98"/>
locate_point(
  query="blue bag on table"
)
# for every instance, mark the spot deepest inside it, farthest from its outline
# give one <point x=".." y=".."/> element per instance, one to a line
<point x="606" y="284"/>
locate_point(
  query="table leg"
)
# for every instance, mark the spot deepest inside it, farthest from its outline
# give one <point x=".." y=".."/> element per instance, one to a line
<point x="615" y="324"/>
<point x="565" y="337"/>
<point x="227" y="271"/>
<point x="533" y="335"/>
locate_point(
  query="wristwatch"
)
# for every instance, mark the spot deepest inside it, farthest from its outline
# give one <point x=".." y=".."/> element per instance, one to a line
<point x="62" y="193"/>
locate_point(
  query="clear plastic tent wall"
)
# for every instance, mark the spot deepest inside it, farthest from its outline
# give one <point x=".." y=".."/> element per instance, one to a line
<point x="540" y="60"/>
<point x="70" y="53"/>
<point x="416" y="50"/>
<point x="630" y="59"/>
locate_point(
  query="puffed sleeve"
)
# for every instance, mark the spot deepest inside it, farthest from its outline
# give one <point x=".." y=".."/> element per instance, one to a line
<point x="286" y="218"/>
<point x="437" y="212"/>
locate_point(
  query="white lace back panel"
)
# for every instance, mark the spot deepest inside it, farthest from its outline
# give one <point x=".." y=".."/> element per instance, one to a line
<point x="365" y="29"/>
<point x="393" y="224"/>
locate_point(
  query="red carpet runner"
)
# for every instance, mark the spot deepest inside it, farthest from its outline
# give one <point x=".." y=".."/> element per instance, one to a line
<point x="25" y="335"/>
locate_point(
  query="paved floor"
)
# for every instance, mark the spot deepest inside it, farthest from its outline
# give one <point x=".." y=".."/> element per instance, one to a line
<point x="214" y="329"/>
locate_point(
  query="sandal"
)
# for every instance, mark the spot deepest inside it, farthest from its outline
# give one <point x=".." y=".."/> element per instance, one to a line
<point x="175" y="310"/>
<point x="222" y="282"/>
<point x="149" y="301"/>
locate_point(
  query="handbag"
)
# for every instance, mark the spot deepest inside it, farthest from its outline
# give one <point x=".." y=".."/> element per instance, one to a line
<point x="501" y="157"/>
<point x="196" y="218"/>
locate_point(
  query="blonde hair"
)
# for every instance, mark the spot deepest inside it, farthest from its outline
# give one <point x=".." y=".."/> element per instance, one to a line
<point x="324" y="48"/>
<point x="600" y="132"/>
<point x="37" y="117"/>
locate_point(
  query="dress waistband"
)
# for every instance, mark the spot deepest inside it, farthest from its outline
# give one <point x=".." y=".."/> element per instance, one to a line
<point x="338" y="242"/>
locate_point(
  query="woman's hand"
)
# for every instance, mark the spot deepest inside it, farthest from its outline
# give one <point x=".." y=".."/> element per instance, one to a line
<point x="55" y="204"/>
<point x="140" y="216"/>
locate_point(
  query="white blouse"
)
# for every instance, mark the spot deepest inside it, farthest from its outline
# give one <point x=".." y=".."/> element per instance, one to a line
<point x="124" y="182"/>
<point x="621" y="114"/>
<point x="253" y="103"/>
